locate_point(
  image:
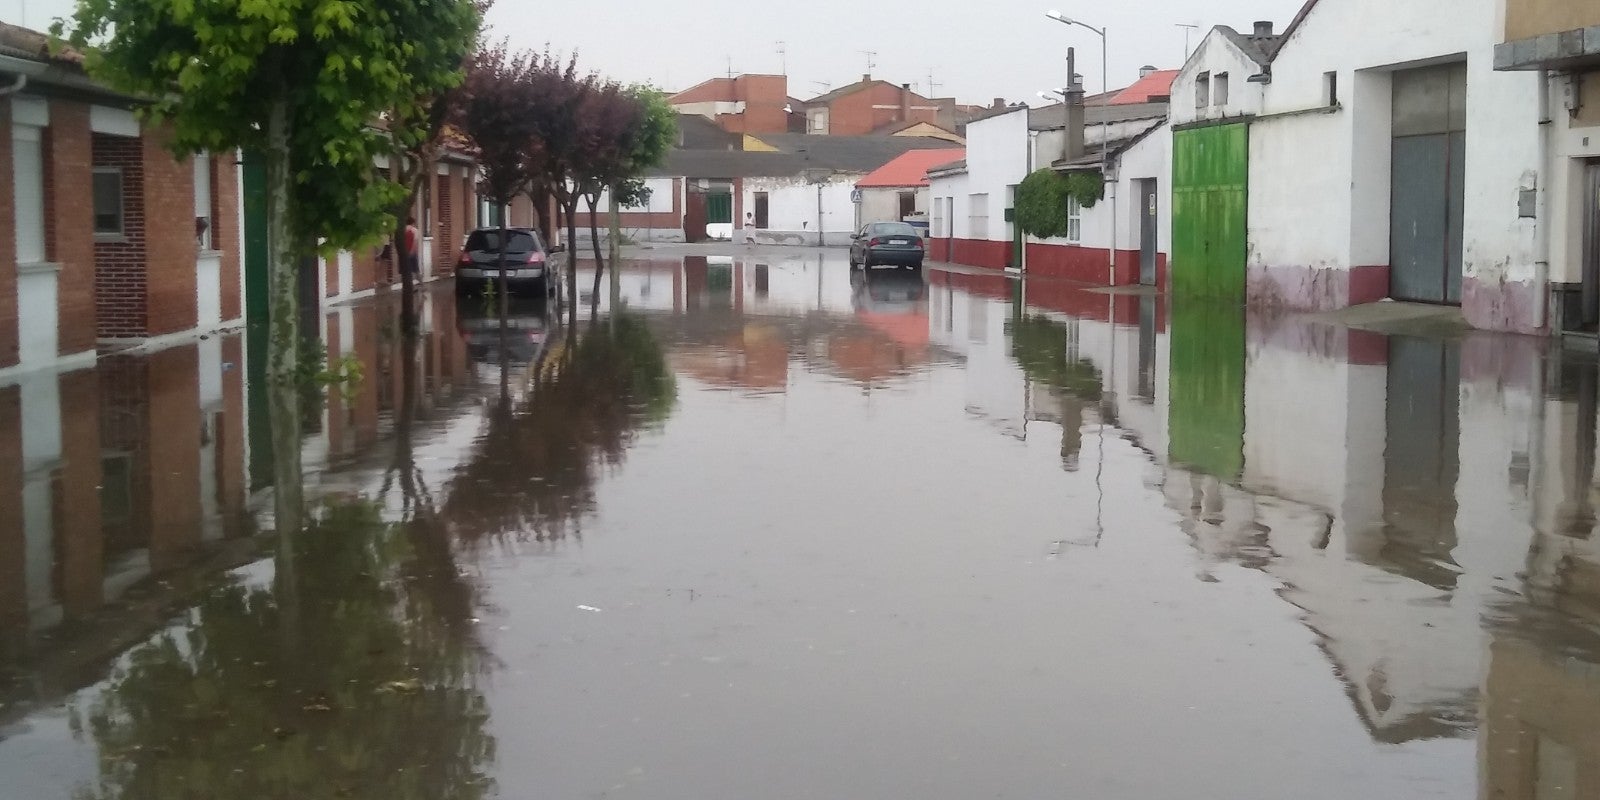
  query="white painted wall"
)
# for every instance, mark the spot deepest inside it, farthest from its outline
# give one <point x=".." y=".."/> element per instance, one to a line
<point x="792" y="216"/>
<point x="1216" y="54"/>
<point x="997" y="159"/>
<point x="951" y="189"/>
<point x="1363" y="41"/>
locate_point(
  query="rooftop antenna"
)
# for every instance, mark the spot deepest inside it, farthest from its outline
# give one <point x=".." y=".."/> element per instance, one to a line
<point x="872" y="60"/>
<point x="933" y="86"/>
<point x="1187" y="29"/>
<point x="730" y="66"/>
<point x="783" y="58"/>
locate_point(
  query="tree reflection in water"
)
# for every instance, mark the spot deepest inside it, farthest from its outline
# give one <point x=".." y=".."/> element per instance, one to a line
<point x="354" y="681"/>
<point x="535" y="470"/>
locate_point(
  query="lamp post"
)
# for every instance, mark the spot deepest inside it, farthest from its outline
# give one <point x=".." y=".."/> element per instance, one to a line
<point x="1105" y="135"/>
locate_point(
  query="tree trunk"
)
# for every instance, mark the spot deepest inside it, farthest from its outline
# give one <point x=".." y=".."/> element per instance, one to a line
<point x="502" y="289"/>
<point x="594" y="239"/>
<point x="570" y="207"/>
<point x="283" y="265"/>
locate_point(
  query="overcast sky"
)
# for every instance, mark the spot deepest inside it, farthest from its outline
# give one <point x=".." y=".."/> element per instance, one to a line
<point x="976" y="49"/>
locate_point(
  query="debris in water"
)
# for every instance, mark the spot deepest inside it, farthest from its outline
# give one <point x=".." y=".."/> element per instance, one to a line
<point x="590" y="609"/>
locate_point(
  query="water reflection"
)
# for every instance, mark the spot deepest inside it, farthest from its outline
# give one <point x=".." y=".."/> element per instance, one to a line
<point x="1262" y="535"/>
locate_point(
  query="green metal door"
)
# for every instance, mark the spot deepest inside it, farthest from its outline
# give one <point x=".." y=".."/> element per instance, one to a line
<point x="1210" y="178"/>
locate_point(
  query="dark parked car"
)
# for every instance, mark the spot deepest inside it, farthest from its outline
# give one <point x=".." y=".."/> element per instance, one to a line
<point x="527" y="262"/>
<point x="895" y="243"/>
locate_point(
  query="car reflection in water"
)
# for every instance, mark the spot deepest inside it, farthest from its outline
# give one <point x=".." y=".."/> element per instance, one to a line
<point x="525" y="335"/>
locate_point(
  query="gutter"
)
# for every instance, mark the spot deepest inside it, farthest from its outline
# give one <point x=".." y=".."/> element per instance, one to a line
<point x="21" y="67"/>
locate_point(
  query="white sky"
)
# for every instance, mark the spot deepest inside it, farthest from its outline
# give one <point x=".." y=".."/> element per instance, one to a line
<point x="976" y="49"/>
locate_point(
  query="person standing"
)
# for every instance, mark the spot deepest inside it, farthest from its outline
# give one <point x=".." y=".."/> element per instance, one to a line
<point x="413" y="259"/>
<point x="749" y="228"/>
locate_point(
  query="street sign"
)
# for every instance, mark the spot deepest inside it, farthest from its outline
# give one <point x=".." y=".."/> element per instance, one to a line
<point x="855" y="195"/>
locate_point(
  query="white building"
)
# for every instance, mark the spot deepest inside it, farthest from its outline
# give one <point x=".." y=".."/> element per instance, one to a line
<point x="1386" y="159"/>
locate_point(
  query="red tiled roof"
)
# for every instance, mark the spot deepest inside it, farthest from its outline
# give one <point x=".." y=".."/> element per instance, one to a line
<point x="1156" y="84"/>
<point x="910" y="169"/>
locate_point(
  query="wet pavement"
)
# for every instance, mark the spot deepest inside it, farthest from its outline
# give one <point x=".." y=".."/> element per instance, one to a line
<point x="770" y="529"/>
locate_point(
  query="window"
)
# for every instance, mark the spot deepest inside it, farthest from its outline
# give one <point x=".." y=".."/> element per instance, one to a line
<point x="425" y="199"/>
<point x="937" y="226"/>
<point x="1330" y="89"/>
<point x="1074" y="220"/>
<point x="489" y="241"/>
<point x="978" y="216"/>
<point x="202" y="201"/>
<point x="762" y="204"/>
<point x="1219" y="90"/>
<point x="27" y="163"/>
<point x="1202" y="90"/>
<point x="491" y="213"/>
<point x="108" y="207"/>
<point x="908" y="204"/>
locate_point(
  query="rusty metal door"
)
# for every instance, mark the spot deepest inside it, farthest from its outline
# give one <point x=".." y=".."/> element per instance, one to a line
<point x="694" y="216"/>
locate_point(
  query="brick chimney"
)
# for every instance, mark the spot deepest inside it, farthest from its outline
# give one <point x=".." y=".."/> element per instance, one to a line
<point x="905" y="102"/>
<point x="1264" y="28"/>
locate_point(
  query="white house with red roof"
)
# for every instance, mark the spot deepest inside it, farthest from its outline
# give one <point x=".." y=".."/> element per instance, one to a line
<point x="898" y="190"/>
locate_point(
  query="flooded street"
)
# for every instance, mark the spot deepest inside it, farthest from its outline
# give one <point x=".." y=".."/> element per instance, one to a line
<point x="775" y="529"/>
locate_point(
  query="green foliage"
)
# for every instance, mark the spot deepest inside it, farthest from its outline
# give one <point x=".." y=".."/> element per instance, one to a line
<point x="1042" y="200"/>
<point x="1088" y="188"/>
<point x="1042" y="204"/>
<point x="654" y="133"/>
<point x="214" y="70"/>
<point x="633" y="193"/>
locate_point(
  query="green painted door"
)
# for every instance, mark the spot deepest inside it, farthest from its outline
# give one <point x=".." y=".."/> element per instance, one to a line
<point x="257" y="307"/>
<point x="719" y="209"/>
<point x="1210" y="177"/>
<point x="1206" y="425"/>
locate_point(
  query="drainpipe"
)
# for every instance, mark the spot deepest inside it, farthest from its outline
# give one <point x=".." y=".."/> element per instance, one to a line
<point x="1541" y="265"/>
<point x="16" y="86"/>
<point x="21" y="67"/>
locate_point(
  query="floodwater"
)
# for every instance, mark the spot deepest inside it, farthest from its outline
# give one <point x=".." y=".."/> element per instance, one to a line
<point x="771" y="530"/>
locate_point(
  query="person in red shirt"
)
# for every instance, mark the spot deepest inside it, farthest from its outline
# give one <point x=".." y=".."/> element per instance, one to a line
<point x="413" y="261"/>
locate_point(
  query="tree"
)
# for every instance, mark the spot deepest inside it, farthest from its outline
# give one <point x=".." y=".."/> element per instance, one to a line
<point x="653" y="135"/>
<point x="606" y="120"/>
<point x="299" y="82"/>
<point x="493" y="112"/>
<point x="1042" y="200"/>
<point x="558" y="94"/>
<point x="418" y="140"/>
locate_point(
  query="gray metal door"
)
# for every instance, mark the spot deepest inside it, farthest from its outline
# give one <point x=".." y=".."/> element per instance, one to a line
<point x="1591" y="246"/>
<point x="1147" y="232"/>
<point x="1421" y="462"/>
<point x="1428" y="194"/>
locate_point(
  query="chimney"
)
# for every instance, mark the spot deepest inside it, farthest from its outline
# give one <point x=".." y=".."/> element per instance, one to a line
<point x="905" y="102"/>
<point x="1146" y="71"/>
<point x="999" y="102"/>
<point x="866" y="77"/>
<point x="1264" y="28"/>
<point x="1072" y="132"/>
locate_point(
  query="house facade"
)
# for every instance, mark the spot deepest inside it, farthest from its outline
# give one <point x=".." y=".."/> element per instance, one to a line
<point x="899" y="190"/>
<point x="1123" y="239"/>
<point x="1557" y="46"/>
<point x="753" y="104"/>
<point x="870" y="105"/>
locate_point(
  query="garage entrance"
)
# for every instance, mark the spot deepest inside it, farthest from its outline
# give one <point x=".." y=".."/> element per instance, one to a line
<point x="1428" y="193"/>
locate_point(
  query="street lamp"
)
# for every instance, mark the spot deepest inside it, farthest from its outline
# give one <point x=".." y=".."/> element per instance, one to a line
<point x="1105" y="134"/>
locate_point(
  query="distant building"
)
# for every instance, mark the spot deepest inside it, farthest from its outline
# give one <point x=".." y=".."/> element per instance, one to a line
<point x="898" y="190"/>
<point x="870" y="105"/>
<point x="753" y="104"/>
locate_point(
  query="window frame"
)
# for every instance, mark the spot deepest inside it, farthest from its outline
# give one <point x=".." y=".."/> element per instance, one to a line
<point x="976" y="203"/>
<point x="1074" y="221"/>
<point x="121" y="233"/>
<point x="1221" y="88"/>
<point x="1202" y="91"/>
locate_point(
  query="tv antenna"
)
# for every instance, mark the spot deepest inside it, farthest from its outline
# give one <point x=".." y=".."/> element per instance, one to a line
<point x="730" y="66"/>
<point x="1187" y="29"/>
<point x="872" y="60"/>
<point x="933" y="86"/>
<point x="783" y="58"/>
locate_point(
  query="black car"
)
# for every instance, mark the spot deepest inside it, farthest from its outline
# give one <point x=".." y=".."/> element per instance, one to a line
<point x="527" y="262"/>
<point x="895" y="243"/>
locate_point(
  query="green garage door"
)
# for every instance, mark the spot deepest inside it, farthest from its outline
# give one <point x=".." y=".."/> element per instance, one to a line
<point x="1210" y="176"/>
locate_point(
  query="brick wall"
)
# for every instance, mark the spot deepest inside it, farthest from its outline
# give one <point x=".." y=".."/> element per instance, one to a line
<point x="170" y="244"/>
<point x="125" y="432"/>
<point x="865" y="111"/>
<point x="8" y="257"/>
<point x="119" y="266"/>
<point x="69" y="219"/>
<point x="225" y="234"/>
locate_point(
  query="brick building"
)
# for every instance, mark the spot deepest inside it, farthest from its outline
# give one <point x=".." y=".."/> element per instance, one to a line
<point x="753" y="104"/>
<point x="872" y="106"/>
